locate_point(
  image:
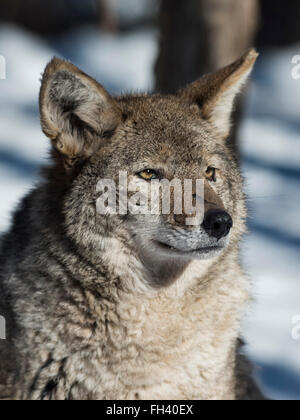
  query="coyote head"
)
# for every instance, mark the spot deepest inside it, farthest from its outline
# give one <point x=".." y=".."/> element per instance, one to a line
<point x="146" y="138"/>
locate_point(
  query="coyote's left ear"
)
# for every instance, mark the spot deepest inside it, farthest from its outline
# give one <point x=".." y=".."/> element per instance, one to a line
<point x="215" y="93"/>
<point x="77" y="113"/>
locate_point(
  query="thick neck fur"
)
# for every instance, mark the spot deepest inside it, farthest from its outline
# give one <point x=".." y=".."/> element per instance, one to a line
<point x="100" y="314"/>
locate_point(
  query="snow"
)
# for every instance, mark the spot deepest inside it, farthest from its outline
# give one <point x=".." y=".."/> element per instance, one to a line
<point x="271" y="156"/>
<point x="122" y="63"/>
<point x="132" y="10"/>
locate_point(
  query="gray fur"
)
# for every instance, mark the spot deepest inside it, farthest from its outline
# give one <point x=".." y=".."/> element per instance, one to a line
<point x="96" y="310"/>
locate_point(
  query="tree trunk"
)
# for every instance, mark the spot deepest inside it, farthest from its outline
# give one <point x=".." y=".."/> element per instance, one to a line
<point x="201" y="36"/>
<point x="108" y="16"/>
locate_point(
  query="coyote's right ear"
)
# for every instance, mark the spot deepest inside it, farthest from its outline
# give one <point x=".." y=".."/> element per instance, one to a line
<point x="215" y="93"/>
<point x="76" y="111"/>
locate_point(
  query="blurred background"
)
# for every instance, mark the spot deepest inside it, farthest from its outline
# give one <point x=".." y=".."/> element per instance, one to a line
<point x="134" y="45"/>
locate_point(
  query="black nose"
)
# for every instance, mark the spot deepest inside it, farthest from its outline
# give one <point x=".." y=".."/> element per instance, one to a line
<point x="217" y="223"/>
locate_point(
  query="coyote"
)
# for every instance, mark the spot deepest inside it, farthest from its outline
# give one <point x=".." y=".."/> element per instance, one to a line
<point x="128" y="306"/>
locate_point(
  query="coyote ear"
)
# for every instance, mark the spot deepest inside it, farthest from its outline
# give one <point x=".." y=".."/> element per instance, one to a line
<point x="215" y="93"/>
<point x="76" y="111"/>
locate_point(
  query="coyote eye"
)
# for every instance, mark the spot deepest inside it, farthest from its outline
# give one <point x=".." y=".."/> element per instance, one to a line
<point x="211" y="174"/>
<point x="148" y="175"/>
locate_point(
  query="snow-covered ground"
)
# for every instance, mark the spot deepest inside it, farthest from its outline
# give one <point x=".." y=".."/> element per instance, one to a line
<point x="271" y="160"/>
<point x="270" y="138"/>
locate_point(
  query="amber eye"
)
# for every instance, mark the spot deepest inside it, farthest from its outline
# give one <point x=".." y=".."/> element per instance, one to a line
<point x="148" y="175"/>
<point x="211" y="174"/>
